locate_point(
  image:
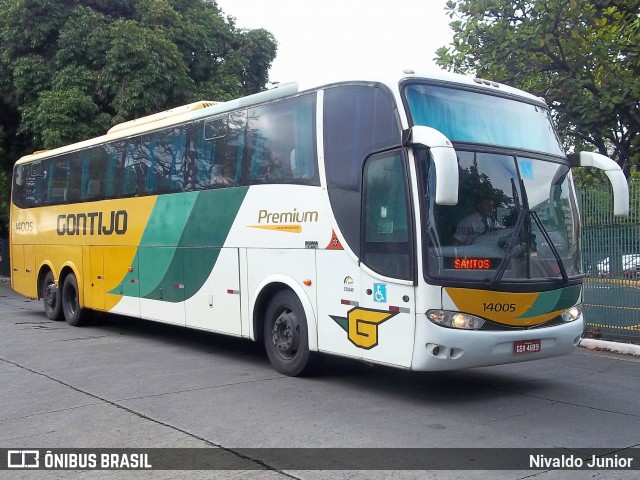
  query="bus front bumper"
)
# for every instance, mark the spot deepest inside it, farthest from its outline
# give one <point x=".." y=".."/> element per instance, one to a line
<point x="440" y="348"/>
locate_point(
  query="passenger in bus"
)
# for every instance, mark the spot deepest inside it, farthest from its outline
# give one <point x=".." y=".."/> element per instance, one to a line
<point x="274" y="168"/>
<point x="223" y="174"/>
<point x="476" y="224"/>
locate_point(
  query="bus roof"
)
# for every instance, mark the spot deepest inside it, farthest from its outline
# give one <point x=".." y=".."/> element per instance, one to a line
<point x="203" y="109"/>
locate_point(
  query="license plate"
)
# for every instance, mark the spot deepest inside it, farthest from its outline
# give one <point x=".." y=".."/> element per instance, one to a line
<point x="526" y="346"/>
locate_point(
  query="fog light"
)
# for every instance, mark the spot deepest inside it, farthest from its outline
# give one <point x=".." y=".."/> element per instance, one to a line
<point x="460" y="320"/>
<point x="573" y="313"/>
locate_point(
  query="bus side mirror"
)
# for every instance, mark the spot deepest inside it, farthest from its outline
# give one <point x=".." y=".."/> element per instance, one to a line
<point x="614" y="173"/>
<point x="444" y="158"/>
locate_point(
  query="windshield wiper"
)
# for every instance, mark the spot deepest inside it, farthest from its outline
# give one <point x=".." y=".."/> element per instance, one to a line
<point x="514" y="243"/>
<point x="553" y="248"/>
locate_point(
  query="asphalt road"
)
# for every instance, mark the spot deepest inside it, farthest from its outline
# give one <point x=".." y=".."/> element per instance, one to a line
<point x="130" y="383"/>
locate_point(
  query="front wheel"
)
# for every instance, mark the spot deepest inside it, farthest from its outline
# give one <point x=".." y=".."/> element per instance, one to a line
<point x="51" y="298"/>
<point x="73" y="313"/>
<point x="285" y="334"/>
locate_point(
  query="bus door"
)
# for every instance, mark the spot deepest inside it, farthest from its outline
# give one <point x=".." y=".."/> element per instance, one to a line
<point x="361" y="314"/>
<point x="367" y="309"/>
<point x="387" y="318"/>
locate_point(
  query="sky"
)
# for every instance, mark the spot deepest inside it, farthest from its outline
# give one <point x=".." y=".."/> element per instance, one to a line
<point x="319" y="36"/>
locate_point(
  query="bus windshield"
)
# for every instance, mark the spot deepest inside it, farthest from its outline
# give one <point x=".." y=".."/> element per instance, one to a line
<point x="473" y="117"/>
<point x="516" y="219"/>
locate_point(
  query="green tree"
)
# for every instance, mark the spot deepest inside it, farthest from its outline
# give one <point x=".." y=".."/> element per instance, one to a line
<point x="582" y="56"/>
<point x="69" y="69"/>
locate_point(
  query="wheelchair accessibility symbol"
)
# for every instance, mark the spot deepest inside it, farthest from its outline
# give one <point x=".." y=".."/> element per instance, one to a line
<point x="380" y="292"/>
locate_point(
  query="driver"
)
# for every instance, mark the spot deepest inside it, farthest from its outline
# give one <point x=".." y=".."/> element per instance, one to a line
<point x="476" y="224"/>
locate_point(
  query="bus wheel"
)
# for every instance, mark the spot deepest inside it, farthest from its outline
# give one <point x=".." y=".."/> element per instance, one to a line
<point x="51" y="298"/>
<point x="285" y="334"/>
<point x="74" y="315"/>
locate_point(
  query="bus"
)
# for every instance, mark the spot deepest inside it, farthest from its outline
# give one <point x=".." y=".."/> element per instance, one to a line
<point x="421" y="221"/>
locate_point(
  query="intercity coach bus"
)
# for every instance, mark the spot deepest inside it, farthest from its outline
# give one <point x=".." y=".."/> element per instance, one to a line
<point x="427" y="222"/>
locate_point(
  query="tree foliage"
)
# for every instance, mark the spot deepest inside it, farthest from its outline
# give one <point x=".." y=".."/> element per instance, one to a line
<point x="69" y="69"/>
<point x="582" y="56"/>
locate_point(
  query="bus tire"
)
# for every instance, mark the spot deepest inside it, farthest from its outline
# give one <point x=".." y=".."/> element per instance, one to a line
<point x="70" y="299"/>
<point x="51" y="298"/>
<point x="285" y="334"/>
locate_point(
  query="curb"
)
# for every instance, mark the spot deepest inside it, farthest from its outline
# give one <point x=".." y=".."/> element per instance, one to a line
<point x="625" y="348"/>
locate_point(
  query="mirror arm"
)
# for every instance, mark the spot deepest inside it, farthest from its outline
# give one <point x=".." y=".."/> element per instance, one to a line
<point x="614" y="174"/>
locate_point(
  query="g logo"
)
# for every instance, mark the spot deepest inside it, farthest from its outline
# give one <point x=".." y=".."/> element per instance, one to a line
<point x="362" y="324"/>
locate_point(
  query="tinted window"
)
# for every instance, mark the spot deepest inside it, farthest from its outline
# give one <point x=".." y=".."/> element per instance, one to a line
<point x="387" y="246"/>
<point x="93" y="161"/>
<point x="358" y="120"/>
<point x="75" y="177"/>
<point x="216" y="150"/>
<point x="28" y="182"/>
<point x="162" y="161"/>
<point x="281" y="142"/>
<point x="121" y="169"/>
<point x="57" y="175"/>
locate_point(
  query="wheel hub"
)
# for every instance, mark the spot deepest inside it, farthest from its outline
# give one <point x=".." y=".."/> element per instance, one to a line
<point x="284" y="333"/>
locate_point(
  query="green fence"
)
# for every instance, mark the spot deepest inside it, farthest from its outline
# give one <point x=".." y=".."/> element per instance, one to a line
<point x="611" y="257"/>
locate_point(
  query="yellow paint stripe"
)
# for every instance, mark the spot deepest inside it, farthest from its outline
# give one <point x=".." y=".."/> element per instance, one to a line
<point x="628" y="327"/>
<point x="611" y="307"/>
<point x="280" y="228"/>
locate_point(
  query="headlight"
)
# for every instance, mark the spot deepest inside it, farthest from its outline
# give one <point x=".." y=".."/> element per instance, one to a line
<point x="573" y="313"/>
<point x="449" y="319"/>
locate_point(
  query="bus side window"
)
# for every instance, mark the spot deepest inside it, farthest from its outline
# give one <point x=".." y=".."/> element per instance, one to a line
<point x="135" y="171"/>
<point x="19" y="190"/>
<point x="281" y="142"/>
<point x="77" y="172"/>
<point x="216" y="131"/>
<point x="217" y="145"/>
<point x="93" y="173"/>
<point x="58" y="177"/>
<point x="162" y="161"/>
<point x="234" y="145"/>
<point x="387" y="240"/>
<point x="201" y="153"/>
<point x="114" y="167"/>
<point x="28" y="184"/>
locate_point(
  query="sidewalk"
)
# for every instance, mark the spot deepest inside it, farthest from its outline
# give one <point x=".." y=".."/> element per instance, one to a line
<point x="618" y="347"/>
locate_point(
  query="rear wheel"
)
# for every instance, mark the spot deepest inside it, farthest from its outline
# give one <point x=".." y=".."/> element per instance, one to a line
<point x="51" y="298"/>
<point x="285" y="334"/>
<point x="73" y="313"/>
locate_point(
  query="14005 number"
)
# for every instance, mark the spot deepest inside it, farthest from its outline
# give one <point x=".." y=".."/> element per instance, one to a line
<point x="499" y="307"/>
